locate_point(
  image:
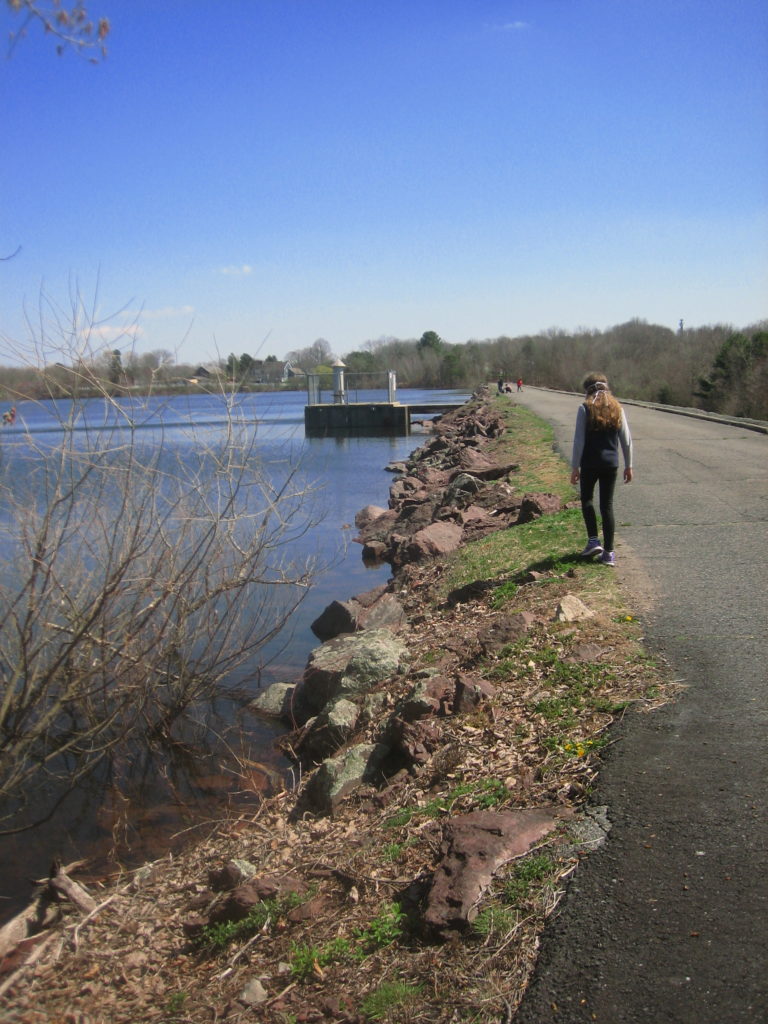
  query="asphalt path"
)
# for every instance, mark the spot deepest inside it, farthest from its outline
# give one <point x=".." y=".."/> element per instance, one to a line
<point x="668" y="920"/>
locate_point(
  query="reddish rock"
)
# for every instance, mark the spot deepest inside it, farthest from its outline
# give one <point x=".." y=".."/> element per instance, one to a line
<point x="536" y="505"/>
<point x="374" y="609"/>
<point x="194" y="926"/>
<point x="473" y="461"/>
<point x="368" y="515"/>
<point x="478" y="523"/>
<point x="406" y="486"/>
<point x="378" y="528"/>
<point x="432" y="696"/>
<point x="471" y="691"/>
<point x="474" y="847"/>
<point x="433" y="541"/>
<point x="308" y="911"/>
<point x="505" y="629"/>
<point x="375" y="551"/>
<point x="414" y="742"/>
<point x="242" y="900"/>
<point x="433" y="478"/>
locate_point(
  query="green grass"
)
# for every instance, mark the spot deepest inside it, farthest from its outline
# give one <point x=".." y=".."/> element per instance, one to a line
<point x="384" y="930"/>
<point x="388" y="998"/>
<point x="533" y="871"/>
<point x="483" y="793"/>
<point x="494" y="920"/>
<point x="216" y="937"/>
<point x="548" y="544"/>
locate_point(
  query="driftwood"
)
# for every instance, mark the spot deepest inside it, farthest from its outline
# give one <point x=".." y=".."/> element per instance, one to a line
<point x="32" y="921"/>
<point x="63" y="886"/>
<point x="25" y="936"/>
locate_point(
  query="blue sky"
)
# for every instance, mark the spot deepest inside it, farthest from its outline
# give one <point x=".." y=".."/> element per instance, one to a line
<point x="251" y="175"/>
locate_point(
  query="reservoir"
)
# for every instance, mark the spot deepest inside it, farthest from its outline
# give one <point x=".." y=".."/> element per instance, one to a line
<point x="136" y="807"/>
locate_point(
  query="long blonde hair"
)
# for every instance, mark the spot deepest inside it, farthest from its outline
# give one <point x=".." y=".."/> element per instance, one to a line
<point x="603" y="410"/>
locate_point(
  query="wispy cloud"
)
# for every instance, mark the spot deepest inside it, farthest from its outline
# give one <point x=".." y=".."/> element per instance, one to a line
<point x="509" y="26"/>
<point x="237" y="271"/>
<point x="112" y="333"/>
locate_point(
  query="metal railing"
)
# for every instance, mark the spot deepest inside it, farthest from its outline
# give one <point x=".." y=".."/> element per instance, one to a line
<point x="342" y="388"/>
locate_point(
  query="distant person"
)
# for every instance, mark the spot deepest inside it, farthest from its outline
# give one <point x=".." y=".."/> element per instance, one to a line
<point x="601" y="428"/>
<point x="501" y="385"/>
<point x="9" y="416"/>
<point x="519" y="383"/>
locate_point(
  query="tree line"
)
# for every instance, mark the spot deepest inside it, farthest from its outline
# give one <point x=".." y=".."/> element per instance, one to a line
<point x="715" y="367"/>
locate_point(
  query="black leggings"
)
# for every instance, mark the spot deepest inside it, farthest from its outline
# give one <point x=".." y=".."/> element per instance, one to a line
<point x="607" y="480"/>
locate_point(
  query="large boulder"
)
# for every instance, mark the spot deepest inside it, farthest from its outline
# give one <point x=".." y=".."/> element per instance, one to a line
<point x="368" y="515"/>
<point x="377" y="528"/>
<point x="433" y="541"/>
<point x="276" y="701"/>
<point x="461" y="489"/>
<point x="476" y="522"/>
<point x="350" y="666"/>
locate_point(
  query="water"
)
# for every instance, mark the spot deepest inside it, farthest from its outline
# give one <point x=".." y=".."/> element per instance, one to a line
<point x="133" y="810"/>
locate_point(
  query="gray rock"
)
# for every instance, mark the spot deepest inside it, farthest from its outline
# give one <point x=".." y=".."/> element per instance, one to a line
<point x="351" y="666"/>
<point x="254" y="993"/>
<point x="325" y="733"/>
<point x="572" y="609"/>
<point x="275" y="701"/>
<point x="338" y="776"/>
<point x="376" y="609"/>
<point x="461" y="489"/>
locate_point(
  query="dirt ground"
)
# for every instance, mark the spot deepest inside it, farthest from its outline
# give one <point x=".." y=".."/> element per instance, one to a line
<point x="131" y="959"/>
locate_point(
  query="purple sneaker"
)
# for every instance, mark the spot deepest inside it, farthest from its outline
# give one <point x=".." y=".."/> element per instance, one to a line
<point x="594" y="547"/>
<point x="608" y="558"/>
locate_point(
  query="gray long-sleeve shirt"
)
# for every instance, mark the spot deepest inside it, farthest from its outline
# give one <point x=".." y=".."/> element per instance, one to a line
<point x="596" y="448"/>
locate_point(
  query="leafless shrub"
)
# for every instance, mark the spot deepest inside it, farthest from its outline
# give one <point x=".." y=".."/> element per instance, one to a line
<point x="141" y="572"/>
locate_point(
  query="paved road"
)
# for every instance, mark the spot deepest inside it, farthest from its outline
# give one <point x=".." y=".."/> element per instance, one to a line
<point x="668" y="920"/>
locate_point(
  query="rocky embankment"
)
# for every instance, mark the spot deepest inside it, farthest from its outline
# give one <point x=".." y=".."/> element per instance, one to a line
<point x="451" y="491"/>
<point x="436" y="742"/>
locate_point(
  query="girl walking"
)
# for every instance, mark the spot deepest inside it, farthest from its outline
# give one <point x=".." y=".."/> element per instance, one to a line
<point x="601" y="429"/>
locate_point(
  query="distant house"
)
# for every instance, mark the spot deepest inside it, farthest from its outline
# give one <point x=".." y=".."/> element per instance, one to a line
<point x="202" y="372"/>
<point x="291" y="372"/>
<point x="271" y="371"/>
